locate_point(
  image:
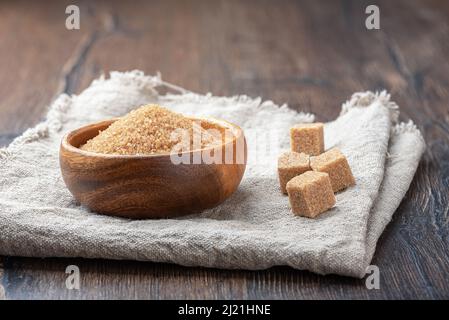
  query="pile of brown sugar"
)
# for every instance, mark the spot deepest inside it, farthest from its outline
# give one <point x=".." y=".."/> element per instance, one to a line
<point x="147" y="130"/>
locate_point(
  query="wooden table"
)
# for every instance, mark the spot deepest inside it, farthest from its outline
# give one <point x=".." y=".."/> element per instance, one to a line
<point x="310" y="54"/>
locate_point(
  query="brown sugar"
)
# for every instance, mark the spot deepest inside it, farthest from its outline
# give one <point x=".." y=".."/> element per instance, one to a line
<point x="310" y="194"/>
<point x="148" y="130"/>
<point x="334" y="163"/>
<point x="290" y="165"/>
<point x="307" y="138"/>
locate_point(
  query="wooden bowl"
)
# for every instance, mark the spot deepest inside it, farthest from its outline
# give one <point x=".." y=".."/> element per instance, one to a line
<point x="149" y="186"/>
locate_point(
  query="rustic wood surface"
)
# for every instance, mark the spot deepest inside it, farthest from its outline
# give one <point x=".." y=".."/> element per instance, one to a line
<point x="310" y="54"/>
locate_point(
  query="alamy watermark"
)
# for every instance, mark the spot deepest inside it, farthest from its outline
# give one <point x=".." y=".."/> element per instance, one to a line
<point x="224" y="146"/>
<point x="227" y="146"/>
<point x="372" y="281"/>
<point x="72" y="22"/>
<point x="72" y="281"/>
<point x="372" y="22"/>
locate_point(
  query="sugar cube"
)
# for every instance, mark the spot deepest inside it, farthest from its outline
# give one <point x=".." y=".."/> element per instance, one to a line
<point x="307" y="138"/>
<point x="290" y="165"/>
<point x="310" y="194"/>
<point x="334" y="163"/>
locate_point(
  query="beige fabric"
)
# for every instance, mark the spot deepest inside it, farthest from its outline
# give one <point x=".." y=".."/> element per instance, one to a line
<point x="254" y="229"/>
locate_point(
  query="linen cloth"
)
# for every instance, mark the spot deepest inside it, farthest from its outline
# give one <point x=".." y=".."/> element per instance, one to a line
<point x="254" y="228"/>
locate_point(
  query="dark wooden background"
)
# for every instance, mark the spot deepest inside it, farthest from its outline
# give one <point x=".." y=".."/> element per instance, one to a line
<point x="311" y="54"/>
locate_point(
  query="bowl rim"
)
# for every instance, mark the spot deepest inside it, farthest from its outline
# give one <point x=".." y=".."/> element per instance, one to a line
<point x="69" y="147"/>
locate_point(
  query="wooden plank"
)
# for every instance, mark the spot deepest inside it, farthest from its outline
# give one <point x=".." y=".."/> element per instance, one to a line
<point x="310" y="54"/>
<point x="102" y="279"/>
<point x="35" y="44"/>
<point x="420" y="241"/>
